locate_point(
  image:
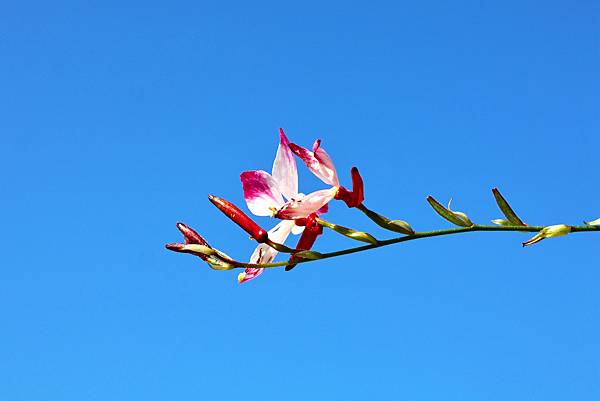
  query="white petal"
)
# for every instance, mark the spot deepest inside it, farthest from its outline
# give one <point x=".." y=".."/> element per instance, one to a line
<point x="264" y="253"/>
<point x="284" y="171"/>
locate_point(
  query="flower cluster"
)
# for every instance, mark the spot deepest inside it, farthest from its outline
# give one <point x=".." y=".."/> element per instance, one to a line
<point x="276" y="194"/>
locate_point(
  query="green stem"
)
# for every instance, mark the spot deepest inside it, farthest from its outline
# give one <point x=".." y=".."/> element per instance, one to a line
<point x="417" y="235"/>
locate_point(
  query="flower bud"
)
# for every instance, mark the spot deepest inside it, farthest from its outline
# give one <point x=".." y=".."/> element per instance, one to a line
<point x="502" y="222"/>
<point x="458" y="218"/>
<point x="218" y="264"/>
<point x="348" y="232"/>
<point x="240" y="218"/>
<point x="549" y="232"/>
<point x="309" y="255"/>
<point x="399" y="226"/>
<point x="509" y="213"/>
<point x="190" y="236"/>
<point x="593" y="223"/>
<point x="194" y="249"/>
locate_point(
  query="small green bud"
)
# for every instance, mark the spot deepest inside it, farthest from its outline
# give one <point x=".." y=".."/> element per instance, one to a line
<point x="549" y="232"/>
<point x="348" y="232"/>
<point x="197" y="248"/>
<point x="401" y="226"/>
<point x="508" y="212"/>
<point x="502" y="222"/>
<point x="218" y="264"/>
<point x="458" y="218"/>
<point x="398" y="226"/>
<point x="313" y="255"/>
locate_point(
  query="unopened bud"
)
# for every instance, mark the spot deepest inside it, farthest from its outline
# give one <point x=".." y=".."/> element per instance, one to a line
<point x="348" y="232"/>
<point x="502" y="222"/>
<point x="309" y="255"/>
<point x="593" y="223"/>
<point x="194" y="249"/>
<point x="240" y="218"/>
<point x="458" y="218"/>
<point x="549" y="232"/>
<point x="190" y="236"/>
<point x="217" y="264"/>
<point x="508" y="212"/>
<point x="399" y="226"/>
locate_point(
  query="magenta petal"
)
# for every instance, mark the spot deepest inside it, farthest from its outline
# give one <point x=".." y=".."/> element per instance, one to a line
<point x="284" y="171"/>
<point x="261" y="192"/>
<point x="327" y="167"/>
<point x="296" y="209"/>
<point x="318" y="162"/>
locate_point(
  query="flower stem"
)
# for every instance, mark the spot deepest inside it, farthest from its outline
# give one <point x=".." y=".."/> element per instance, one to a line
<point x="418" y="235"/>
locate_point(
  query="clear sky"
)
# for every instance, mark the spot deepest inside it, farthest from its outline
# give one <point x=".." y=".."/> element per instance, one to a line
<point x="118" y="118"/>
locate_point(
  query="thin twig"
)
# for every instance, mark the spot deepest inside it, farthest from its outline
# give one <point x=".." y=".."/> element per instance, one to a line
<point x="417" y="235"/>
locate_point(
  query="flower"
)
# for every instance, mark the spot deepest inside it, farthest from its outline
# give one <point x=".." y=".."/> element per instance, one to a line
<point x="320" y="164"/>
<point x="549" y="232"/>
<point x="264" y="194"/>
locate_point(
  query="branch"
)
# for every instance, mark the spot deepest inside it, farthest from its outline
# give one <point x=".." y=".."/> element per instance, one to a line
<point x="415" y="236"/>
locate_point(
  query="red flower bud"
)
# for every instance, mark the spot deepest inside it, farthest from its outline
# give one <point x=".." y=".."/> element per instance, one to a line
<point x="311" y="231"/>
<point x="239" y="218"/>
<point x="191" y="236"/>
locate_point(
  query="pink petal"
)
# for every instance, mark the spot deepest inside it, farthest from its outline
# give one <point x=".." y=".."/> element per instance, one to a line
<point x="261" y="192"/>
<point x="264" y="253"/>
<point x="326" y="163"/>
<point x="284" y="171"/>
<point x="318" y="161"/>
<point x="296" y="209"/>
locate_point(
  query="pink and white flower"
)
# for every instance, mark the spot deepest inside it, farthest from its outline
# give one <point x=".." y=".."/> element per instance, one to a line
<point x="320" y="164"/>
<point x="276" y="195"/>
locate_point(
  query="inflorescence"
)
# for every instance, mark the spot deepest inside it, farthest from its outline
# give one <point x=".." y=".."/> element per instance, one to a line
<point x="277" y="195"/>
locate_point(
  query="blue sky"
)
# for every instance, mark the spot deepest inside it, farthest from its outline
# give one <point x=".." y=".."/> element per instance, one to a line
<point x="118" y="118"/>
